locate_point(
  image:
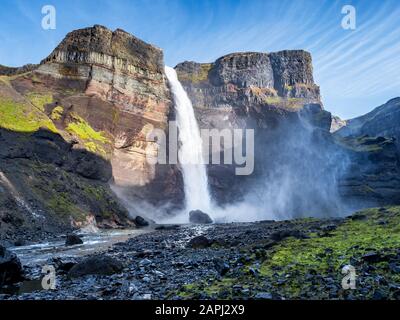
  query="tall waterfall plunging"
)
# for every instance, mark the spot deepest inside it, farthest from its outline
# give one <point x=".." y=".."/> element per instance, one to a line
<point x="190" y="154"/>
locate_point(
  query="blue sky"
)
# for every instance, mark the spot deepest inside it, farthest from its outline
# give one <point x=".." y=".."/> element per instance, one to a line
<point x="356" y="69"/>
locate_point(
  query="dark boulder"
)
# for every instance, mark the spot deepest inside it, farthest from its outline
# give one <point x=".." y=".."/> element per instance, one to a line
<point x="90" y="166"/>
<point x="221" y="266"/>
<point x="199" y="242"/>
<point x="141" y="222"/>
<point x="64" y="264"/>
<point x="19" y="242"/>
<point x="283" y="234"/>
<point x="374" y="257"/>
<point x="358" y="217"/>
<point x="199" y="217"/>
<point x="96" y="265"/>
<point x="73" y="239"/>
<point x="168" y="227"/>
<point x="10" y="267"/>
<point x="329" y="227"/>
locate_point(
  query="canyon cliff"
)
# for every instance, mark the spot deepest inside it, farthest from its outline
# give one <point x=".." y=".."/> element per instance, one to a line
<point x="383" y="121"/>
<point x="310" y="170"/>
<point x="77" y="123"/>
<point x="374" y="143"/>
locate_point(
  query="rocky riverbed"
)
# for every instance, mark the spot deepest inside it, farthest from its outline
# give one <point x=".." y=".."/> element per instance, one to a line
<point x="297" y="259"/>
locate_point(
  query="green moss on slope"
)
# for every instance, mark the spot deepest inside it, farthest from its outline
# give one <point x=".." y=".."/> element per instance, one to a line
<point x="57" y="113"/>
<point x="22" y="118"/>
<point x="40" y="100"/>
<point x="364" y="143"/>
<point x="67" y="195"/>
<point x="311" y="268"/>
<point x="92" y="140"/>
<point x="326" y="255"/>
<point x="84" y="131"/>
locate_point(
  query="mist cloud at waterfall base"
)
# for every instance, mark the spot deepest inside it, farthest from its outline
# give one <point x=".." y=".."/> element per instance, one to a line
<point x="298" y="173"/>
<point x="299" y="169"/>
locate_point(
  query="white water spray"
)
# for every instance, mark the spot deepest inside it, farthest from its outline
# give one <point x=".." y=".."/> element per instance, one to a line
<point x="190" y="152"/>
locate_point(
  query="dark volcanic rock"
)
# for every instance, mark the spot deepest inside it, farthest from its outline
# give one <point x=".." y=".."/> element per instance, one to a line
<point x="317" y="116"/>
<point x="19" y="243"/>
<point x="10" y="267"/>
<point x="221" y="266"/>
<point x="280" y="235"/>
<point x="78" y="45"/>
<point x="73" y="239"/>
<point x="198" y="216"/>
<point x="199" y="242"/>
<point x="243" y="271"/>
<point x="141" y="222"/>
<point x="374" y="257"/>
<point x="90" y="58"/>
<point x="100" y="265"/>
<point x="43" y="169"/>
<point x="64" y="264"/>
<point x="250" y="79"/>
<point x="168" y="227"/>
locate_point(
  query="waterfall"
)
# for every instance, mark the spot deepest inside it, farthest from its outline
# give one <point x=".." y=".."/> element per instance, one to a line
<point x="190" y="154"/>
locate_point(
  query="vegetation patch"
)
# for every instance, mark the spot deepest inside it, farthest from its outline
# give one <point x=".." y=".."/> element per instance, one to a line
<point x="365" y="143"/>
<point x="273" y="100"/>
<point x="40" y="100"/>
<point x="84" y="131"/>
<point x="346" y="245"/>
<point x="62" y="205"/>
<point x="311" y="267"/>
<point x="21" y="118"/>
<point x="95" y="148"/>
<point x="68" y="195"/>
<point x="92" y="140"/>
<point x="195" y="77"/>
<point x="294" y="103"/>
<point x="57" y="113"/>
<point x="264" y="92"/>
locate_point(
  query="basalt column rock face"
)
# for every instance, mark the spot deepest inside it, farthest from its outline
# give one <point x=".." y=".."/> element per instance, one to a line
<point x="283" y="79"/>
